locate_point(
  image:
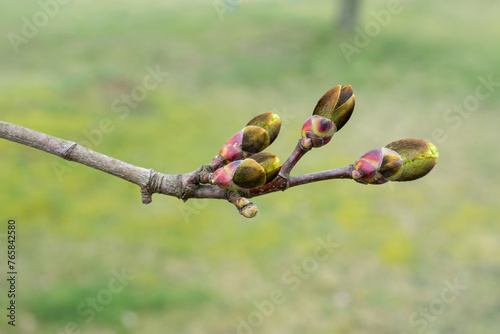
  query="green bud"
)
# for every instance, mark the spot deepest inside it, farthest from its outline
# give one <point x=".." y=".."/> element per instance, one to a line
<point x="259" y="133"/>
<point x="337" y="105"/>
<point x="242" y="202"/>
<point x="419" y="157"/>
<point x="269" y="162"/>
<point x="270" y="122"/>
<point x="249" y="174"/>
<point x="255" y="139"/>
<point x="249" y="211"/>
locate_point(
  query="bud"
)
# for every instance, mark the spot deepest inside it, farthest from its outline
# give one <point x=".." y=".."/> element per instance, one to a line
<point x="249" y="211"/>
<point x="269" y="162"/>
<point x="223" y="177"/>
<point x="242" y="202"/>
<point x="366" y="167"/>
<point x="270" y="122"/>
<point x="255" y="139"/>
<point x="337" y="105"/>
<point x="319" y="129"/>
<point x="419" y="157"/>
<point x="392" y="164"/>
<point x="231" y="151"/>
<point x="249" y="174"/>
<point x="377" y="166"/>
<point x="259" y="133"/>
<point x="240" y="173"/>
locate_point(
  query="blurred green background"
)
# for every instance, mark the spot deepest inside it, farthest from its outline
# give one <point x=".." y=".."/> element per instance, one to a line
<point x="199" y="267"/>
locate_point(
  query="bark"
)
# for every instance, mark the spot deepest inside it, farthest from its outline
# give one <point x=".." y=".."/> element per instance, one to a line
<point x="183" y="186"/>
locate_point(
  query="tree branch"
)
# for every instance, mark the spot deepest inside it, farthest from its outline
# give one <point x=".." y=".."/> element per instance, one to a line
<point x="183" y="186"/>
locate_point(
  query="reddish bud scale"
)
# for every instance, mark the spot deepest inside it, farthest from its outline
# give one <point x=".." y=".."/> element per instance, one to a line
<point x="377" y="166"/>
<point x="223" y="177"/>
<point x="232" y="149"/>
<point x="368" y="164"/>
<point x="319" y="129"/>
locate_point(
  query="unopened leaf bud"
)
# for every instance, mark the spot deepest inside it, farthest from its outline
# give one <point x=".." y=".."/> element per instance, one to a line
<point x="232" y="151"/>
<point x="319" y="129"/>
<point x="249" y="211"/>
<point x="259" y="133"/>
<point x="270" y="162"/>
<point x="255" y="139"/>
<point x="419" y="158"/>
<point x="240" y="174"/>
<point x="223" y="177"/>
<point x="242" y="202"/>
<point x="377" y="166"/>
<point x="337" y="105"/>
<point x="270" y="122"/>
<point x="249" y="174"/>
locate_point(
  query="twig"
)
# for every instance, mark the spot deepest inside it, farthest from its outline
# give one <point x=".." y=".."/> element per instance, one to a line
<point x="183" y="186"/>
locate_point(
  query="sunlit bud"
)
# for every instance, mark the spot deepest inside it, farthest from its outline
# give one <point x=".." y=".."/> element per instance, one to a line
<point x="337" y="105"/>
<point x="319" y="129"/>
<point x="419" y="157"/>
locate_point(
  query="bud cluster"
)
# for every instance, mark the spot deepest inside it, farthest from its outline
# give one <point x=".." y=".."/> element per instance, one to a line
<point x="241" y="164"/>
<point x="245" y="166"/>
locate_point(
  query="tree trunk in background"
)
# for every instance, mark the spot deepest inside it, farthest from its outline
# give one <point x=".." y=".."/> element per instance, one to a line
<point x="348" y="14"/>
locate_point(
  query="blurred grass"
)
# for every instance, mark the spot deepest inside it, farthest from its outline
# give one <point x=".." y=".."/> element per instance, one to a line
<point x="198" y="266"/>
